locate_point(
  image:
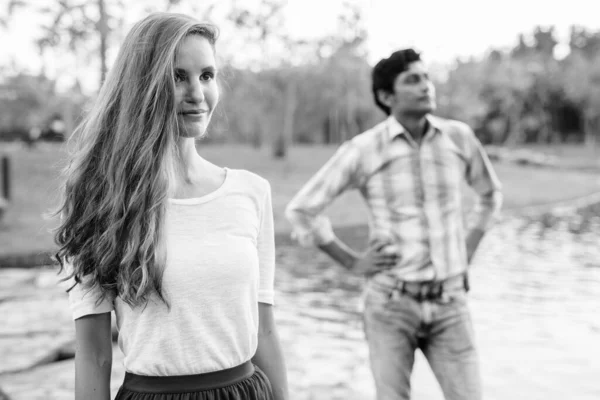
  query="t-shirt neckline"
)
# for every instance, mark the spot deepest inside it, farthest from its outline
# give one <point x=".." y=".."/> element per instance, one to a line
<point x="207" y="197"/>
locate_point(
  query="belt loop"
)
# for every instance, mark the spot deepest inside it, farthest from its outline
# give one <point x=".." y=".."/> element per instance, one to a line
<point x="440" y="289"/>
<point x="394" y="287"/>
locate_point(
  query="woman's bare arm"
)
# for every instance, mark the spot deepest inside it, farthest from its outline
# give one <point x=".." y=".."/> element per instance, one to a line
<point x="269" y="357"/>
<point x="93" y="357"/>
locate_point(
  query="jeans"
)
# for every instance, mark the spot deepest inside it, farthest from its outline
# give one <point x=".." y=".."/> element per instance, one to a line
<point x="397" y="324"/>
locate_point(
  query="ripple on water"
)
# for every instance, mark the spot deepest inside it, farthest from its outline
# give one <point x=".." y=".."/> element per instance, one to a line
<point x="535" y="301"/>
<point x="535" y="304"/>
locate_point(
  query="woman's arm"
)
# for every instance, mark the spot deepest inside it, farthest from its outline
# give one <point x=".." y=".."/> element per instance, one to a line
<point x="269" y="356"/>
<point x="93" y="357"/>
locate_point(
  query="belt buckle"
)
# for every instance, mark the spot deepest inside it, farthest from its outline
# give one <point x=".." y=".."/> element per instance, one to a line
<point x="435" y="291"/>
<point x="424" y="291"/>
<point x="432" y="290"/>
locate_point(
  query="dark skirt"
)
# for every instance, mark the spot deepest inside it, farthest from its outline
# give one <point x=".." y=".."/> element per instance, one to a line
<point x="245" y="382"/>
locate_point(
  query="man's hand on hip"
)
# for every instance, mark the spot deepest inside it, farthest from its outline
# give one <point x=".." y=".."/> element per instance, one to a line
<point x="378" y="258"/>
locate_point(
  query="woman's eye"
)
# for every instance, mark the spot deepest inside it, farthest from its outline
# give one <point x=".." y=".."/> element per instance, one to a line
<point x="179" y="77"/>
<point x="207" y="76"/>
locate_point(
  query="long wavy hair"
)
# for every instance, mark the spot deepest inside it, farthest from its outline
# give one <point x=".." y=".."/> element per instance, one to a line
<point x="121" y="172"/>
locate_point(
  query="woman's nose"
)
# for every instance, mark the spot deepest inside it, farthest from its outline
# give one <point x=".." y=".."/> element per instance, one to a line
<point x="195" y="92"/>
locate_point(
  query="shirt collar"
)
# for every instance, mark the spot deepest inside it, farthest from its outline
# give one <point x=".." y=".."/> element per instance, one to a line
<point x="395" y="128"/>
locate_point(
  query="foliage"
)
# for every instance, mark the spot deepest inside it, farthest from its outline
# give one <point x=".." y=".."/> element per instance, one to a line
<point x="526" y="94"/>
<point x="318" y="90"/>
<point x="30" y="101"/>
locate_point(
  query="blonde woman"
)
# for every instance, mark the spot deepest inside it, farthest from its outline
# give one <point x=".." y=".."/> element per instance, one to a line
<point x="180" y="249"/>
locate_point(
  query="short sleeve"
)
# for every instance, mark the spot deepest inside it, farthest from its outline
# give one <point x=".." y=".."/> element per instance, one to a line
<point x="266" y="250"/>
<point x="85" y="301"/>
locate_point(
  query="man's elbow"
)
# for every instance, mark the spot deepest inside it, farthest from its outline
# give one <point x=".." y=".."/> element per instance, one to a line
<point x="492" y="199"/>
<point x="292" y="213"/>
<point x="288" y="212"/>
<point x="497" y="199"/>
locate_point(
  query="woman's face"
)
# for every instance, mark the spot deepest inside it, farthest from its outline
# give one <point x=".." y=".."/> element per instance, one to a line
<point x="196" y="90"/>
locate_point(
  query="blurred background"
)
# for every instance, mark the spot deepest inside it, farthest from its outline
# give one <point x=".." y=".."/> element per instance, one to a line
<point x="295" y="84"/>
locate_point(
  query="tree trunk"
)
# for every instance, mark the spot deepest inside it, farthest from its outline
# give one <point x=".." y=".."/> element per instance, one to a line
<point x="544" y="131"/>
<point x="589" y="132"/>
<point x="256" y="135"/>
<point x="515" y="133"/>
<point x="284" y="136"/>
<point x="103" y="30"/>
<point x="351" y="114"/>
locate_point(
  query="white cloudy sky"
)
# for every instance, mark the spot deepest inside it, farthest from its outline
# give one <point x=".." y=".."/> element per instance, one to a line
<point x="442" y="29"/>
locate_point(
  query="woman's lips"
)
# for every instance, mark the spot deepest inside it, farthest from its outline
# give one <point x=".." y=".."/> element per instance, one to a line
<point x="193" y="114"/>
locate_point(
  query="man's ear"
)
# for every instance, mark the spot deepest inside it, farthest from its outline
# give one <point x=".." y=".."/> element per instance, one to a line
<point x="384" y="97"/>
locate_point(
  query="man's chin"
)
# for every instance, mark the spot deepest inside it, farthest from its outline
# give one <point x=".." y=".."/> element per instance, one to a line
<point x="421" y="112"/>
<point x="427" y="110"/>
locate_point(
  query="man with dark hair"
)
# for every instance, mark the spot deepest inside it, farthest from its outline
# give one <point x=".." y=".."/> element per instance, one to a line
<point x="409" y="169"/>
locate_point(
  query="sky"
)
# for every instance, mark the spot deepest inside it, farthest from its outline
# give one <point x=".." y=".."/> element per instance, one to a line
<point x="443" y="30"/>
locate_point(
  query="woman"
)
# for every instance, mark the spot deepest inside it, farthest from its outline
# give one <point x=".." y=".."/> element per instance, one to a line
<point x="180" y="249"/>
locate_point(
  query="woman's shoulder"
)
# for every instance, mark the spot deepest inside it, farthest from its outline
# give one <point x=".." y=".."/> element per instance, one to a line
<point x="249" y="181"/>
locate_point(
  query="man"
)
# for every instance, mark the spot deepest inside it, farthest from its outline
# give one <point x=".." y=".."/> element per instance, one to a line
<point x="409" y="169"/>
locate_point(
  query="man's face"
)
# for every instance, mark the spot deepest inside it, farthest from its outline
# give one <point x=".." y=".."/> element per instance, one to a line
<point x="414" y="93"/>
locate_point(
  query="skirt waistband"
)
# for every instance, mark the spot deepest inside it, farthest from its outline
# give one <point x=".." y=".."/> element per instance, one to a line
<point x="188" y="383"/>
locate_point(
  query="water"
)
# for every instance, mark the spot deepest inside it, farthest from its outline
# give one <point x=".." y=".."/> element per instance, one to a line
<point x="535" y="301"/>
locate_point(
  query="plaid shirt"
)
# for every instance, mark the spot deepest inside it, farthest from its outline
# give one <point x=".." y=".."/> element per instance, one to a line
<point x="412" y="192"/>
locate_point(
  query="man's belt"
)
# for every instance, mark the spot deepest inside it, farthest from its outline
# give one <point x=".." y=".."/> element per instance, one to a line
<point x="432" y="290"/>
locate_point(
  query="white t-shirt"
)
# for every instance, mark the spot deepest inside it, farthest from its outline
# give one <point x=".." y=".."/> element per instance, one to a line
<point x="220" y="264"/>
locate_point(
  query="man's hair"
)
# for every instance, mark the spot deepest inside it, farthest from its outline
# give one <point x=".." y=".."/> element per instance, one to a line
<point x="386" y="70"/>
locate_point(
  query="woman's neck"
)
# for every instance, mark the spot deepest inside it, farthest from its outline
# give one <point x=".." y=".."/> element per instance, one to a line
<point x="190" y="163"/>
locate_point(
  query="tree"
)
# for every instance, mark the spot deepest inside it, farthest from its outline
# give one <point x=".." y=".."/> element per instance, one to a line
<point x="581" y="82"/>
<point x="289" y="77"/>
<point x="78" y="26"/>
<point x="583" y="41"/>
<point x="544" y="41"/>
<point x="526" y="94"/>
<point x="27" y="101"/>
<point x="74" y="24"/>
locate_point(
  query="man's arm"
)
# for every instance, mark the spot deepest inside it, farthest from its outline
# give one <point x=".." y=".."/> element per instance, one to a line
<point x="484" y="181"/>
<point x="374" y="260"/>
<point x="269" y="357"/>
<point x="341" y="253"/>
<point x="474" y="237"/>
<point x="305" y="210"/>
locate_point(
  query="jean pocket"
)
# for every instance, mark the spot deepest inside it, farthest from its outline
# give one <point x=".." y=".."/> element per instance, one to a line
<point x="457" y="297"/>
<point x="375" y="294"/>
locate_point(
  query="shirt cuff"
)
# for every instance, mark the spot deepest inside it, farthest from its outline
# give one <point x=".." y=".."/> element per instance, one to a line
<point x="82" y="308"/>
<point x="266" y="296"/>
<point x="486" y="211"/>
<point x="84" y="301"/>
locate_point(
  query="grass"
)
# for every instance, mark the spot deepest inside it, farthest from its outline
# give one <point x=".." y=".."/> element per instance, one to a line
<point x="571" y="155"/>
<point x="35" y="173"/>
